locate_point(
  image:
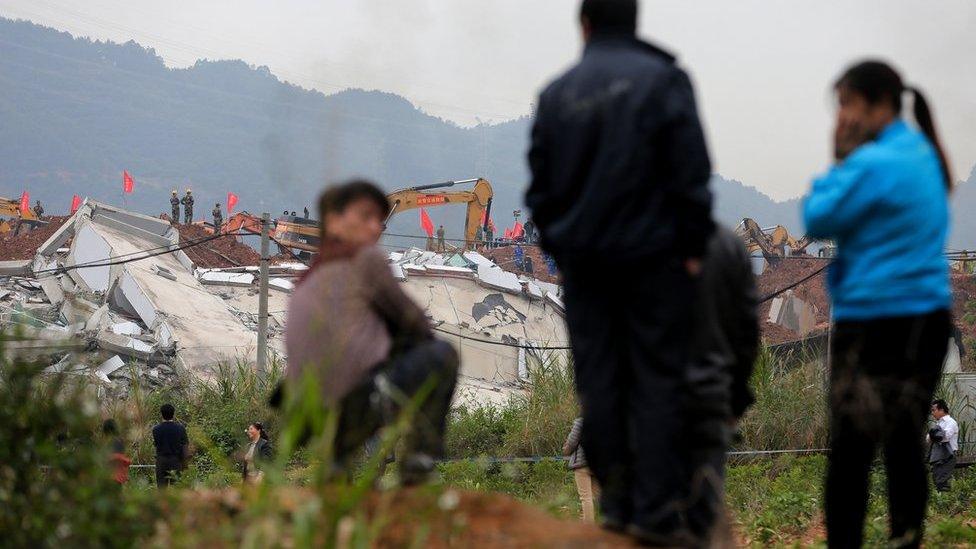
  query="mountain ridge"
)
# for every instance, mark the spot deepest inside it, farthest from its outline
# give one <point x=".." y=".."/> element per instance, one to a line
<point x="75" y="112"/>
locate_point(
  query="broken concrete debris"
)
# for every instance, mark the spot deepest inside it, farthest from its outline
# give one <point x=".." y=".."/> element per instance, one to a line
<point x="92" y="313"/>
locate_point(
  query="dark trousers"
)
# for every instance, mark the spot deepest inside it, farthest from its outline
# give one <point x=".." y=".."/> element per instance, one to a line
<point x="630" y="332"/>
<point x="883" y="374"/>
<point x="167" y="468"/>
<point x="942" y="473"/>
<point x="425" y="371"/>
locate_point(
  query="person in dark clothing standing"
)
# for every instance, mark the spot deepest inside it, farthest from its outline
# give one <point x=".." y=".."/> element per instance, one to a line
<point x="726" y="342"/>
<point x="172" y="444"/>
<point x="187" y="202"/>
<point x="218" y="218"/>
<point x="620" y="175"/>
<point x="174" y="203"/>
<point x="38" y="210"/>
<point x="891" y="303"/>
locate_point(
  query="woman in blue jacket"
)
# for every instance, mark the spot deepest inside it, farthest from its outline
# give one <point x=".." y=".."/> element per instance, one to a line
<point x="885" y="204"/>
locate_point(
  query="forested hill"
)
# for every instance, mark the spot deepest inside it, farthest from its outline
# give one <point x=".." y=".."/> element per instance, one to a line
<point x="74" y="113"/>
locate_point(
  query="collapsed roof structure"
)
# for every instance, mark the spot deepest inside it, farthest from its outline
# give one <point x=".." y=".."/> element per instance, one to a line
<point x="111" y="287"/>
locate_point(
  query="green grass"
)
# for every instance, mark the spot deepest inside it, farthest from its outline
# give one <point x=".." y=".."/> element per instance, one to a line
<point x="55" y="487"/>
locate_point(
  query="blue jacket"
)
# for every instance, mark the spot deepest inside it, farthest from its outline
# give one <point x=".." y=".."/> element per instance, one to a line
<point x="886" y="207"/>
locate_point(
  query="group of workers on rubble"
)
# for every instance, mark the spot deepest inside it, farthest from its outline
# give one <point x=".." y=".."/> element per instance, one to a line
<point x="663" y="346"/>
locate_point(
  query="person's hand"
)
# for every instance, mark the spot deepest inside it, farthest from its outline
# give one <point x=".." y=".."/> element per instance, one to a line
<point x="693" y="266"/>
<point x="849" y="134"/>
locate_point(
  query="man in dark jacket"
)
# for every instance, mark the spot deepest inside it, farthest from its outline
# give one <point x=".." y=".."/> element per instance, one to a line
<point x="218" y="218"/>
<point x="726" y="342"/>
<point x="171" y="442"/>
<point x="620" y="176"/>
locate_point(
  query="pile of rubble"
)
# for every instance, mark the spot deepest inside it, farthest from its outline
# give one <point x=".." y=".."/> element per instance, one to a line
<point x="795" y="314"/>
<point x="24" y="245"/>
<point x="533" y="263"/>
<point x="109" y="287"/>
<point x="499" y="321"/>
<point x="222" y="252"/>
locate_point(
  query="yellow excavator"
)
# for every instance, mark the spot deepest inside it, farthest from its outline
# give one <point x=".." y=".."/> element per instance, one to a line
<point x="18" y="222"/>
<point x="478" y="201"/>
<point x="771" y="241"/>
<point x="302" y="235"/>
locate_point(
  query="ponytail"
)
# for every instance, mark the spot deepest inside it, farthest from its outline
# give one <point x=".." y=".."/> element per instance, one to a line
<point x="878" y="82"/>
<point x="923" y="116"/>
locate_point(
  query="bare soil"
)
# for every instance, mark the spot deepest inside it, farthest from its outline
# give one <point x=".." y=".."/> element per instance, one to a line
<point x="24" y="246"/>
<point x="505" y="258"/>
<point x="223" y="252"/>
<point x="430" y="517"/>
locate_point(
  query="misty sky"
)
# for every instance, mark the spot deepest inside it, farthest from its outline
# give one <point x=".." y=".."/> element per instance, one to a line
<point x="762" y="67"/>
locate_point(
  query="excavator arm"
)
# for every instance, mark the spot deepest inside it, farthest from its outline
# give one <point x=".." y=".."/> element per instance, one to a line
<point x="477" y="200"/>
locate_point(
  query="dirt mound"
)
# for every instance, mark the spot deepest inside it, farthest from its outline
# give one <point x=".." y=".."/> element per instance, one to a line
<point x="222" y="252"/>
<point x="505" y="258"/>
<point x="782" y="275"/>
<point x="425" y="517"/>
<point x="24" y="246"/>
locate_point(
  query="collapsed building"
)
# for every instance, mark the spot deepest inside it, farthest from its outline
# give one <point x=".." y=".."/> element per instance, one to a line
<point x="111" y="288"/>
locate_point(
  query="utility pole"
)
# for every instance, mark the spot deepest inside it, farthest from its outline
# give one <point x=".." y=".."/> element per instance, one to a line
<point x="263" y="298"/>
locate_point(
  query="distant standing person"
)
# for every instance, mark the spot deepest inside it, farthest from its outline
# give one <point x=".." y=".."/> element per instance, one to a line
<point x="885" y="204"/>
<point x="258" y="450"/>
<point x="172" y="446"/>
<point x="944" y="440"/>
<point x="38" y="210"/>
<point x="441" y="243"/>
<point x="586" y="484"/>
<point x="620" y="176"/>
<point x="187" y="207"/>
<point x="306" y="212"/>
<point x="218" y="218"/>
<point x="174" y="202"/>
<point x="120" y="462"/>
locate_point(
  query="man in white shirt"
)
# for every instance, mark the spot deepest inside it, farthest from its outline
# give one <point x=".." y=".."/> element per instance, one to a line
<point x="944" y="437"/>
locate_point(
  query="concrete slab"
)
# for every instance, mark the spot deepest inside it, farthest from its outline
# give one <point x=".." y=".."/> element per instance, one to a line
<point x="398" y="272"/>
<point x="227" y="279"/>
<point x="494" y="277"/>
<point x="126" y="328"/>
<point x="203" y="328"/>
<point x="281" y="284"/>
<point x="111" y="365"/>
<point x="124" y="345"/>
<point x="20" y="267"/>
<point x="90" y="247"/>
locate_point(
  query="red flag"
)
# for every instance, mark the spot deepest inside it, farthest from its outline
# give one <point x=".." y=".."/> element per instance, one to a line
<point x="24" y="203"/>
<point x="127" y="182"/>
<point x="75" y="203"/>
<point x="517" y="230"/>
<point x="508" y="233"/>
<point x="425" y="223"/>
<point x="231" y="202"/>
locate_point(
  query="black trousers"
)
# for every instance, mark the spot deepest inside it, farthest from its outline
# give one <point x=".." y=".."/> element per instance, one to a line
<point x="942" y="473"/>
<point x="429" y="367"/>
<point x="883" y="374"/>
<point x="167" y="468"/>
<point x="630" y="334"/>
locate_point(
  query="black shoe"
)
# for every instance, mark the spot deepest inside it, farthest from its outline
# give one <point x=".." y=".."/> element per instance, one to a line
<point x="416" y="469"/>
